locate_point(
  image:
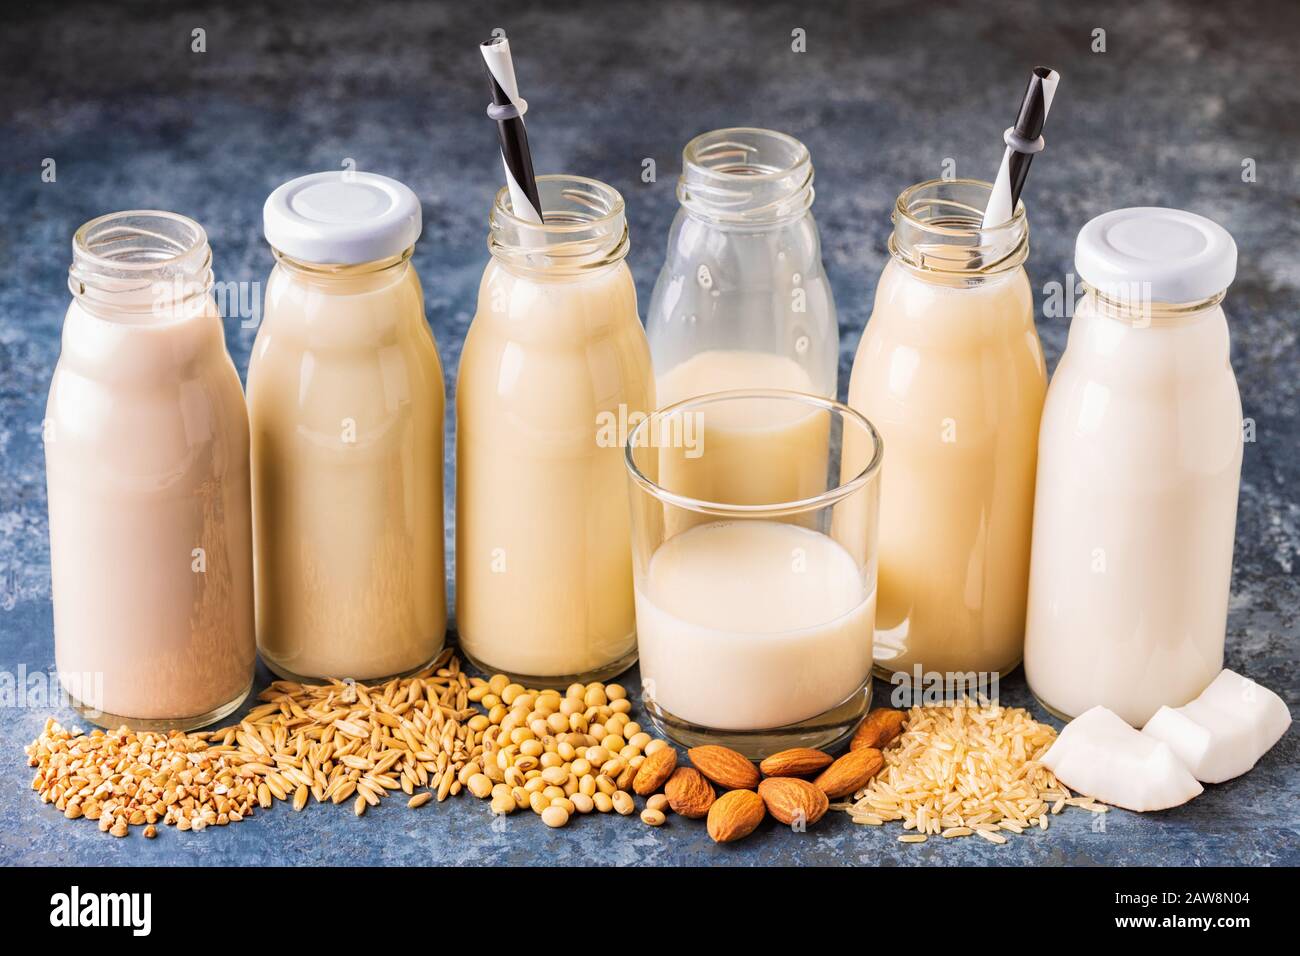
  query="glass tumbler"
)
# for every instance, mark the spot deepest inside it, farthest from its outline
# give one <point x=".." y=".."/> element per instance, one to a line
<point x="755" y="619"/>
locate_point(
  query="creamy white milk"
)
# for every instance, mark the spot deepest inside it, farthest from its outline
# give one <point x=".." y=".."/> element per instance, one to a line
<point x="1138" y="469"/>
<point x="749" y="625"/>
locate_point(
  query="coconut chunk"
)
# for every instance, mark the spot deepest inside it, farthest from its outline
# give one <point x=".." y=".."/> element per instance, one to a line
<point x="1101" y="756"/>
<point x="1222" y="733"/>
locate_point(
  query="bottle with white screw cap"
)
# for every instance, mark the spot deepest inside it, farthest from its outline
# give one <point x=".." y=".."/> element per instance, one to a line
<point x="1139" y="463"/>
<point x="346" y="403"/>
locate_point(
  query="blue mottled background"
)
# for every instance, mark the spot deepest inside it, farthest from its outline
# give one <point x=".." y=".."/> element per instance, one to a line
<point x="886" y="92"/>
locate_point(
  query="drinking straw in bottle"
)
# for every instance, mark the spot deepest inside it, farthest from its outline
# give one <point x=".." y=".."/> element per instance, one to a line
<point x="1023" y="140"/>
<point x="508" y="109"/>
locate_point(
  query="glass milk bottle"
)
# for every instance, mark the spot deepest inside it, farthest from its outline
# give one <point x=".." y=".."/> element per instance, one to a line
<point x="742" y="300"/>
<point x="146" y="455"/>
<point x="1139" y="463"/>
<point x="553" y="368"/>
<point x="950" y="370"/>
<point x="346" y="401"/>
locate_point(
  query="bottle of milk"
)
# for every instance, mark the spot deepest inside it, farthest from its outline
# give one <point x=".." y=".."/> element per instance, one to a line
<point x="345" y="402"/>
<point x="742" y="300"/>
<point x="951" y="372"/>
<point x="146" y="456"/>
<point x="1139" y="463"/>
<point x="553" y="371"/>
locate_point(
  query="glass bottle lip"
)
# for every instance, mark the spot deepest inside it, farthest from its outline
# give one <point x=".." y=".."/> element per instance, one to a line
<point x="746" y="175"/>
<point x="319" y="270"/>
<point x="938" y="228"/>
<point x="585" y="227"/>
<point x="121" y="258"/>
<point x="829" y="497"/>
<point x="1134" y="305"/>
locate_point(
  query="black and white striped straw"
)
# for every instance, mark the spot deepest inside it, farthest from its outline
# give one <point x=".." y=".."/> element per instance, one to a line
<point x="508" y="109"/>
<point x="1023" y="140"/>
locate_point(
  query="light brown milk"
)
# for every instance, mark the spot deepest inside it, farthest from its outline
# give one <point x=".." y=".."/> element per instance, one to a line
<point x="346" y="401"/>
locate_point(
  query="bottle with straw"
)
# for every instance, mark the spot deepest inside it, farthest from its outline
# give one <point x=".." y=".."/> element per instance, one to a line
<point x="555" y="359"/>
<point x="951" y="372"/>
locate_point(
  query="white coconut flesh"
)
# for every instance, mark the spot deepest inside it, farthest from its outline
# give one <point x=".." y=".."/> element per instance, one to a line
<point x="1222" y="733"/>
<point x="1100" y="755"/>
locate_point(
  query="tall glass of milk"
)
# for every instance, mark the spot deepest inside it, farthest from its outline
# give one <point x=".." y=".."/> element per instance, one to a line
<point x="1139" y="461"/>
<point x="755" y="619"/>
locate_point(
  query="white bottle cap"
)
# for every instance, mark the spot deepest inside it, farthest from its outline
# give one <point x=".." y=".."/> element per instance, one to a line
<point x="342" y="218"/>
<point x="1166" y="255"/>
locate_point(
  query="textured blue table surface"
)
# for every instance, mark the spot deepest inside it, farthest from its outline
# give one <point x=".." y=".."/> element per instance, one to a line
<point x="1183" y="95"/>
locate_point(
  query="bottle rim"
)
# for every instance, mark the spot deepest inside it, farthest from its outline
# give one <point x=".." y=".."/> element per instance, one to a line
<point x="746" y="175"/>
<point x="604" y="200"/>
<point x="1135" y="305"/>
<point x="340" y="270"/>
<point x="585" y="228"/>
<point x="938" y="228"/>
<point x="120" y="257"/>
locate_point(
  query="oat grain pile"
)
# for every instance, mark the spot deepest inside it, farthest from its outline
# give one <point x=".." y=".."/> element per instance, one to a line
<point x="966" y="770"/>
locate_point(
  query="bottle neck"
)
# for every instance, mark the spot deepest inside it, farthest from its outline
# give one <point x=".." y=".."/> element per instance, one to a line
<point x="584" y="232"/>
<point x="345" y="278"/>
<point x="1134" y="306"/>
<point x="939" y="237"/>
<point x="141" y="268"/>
<point x="746" y="178"/>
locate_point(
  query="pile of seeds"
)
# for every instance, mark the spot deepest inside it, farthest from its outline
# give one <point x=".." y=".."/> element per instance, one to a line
<point x="971" y="769"/>
<point x="345" y="741"/>
<point x="331" y="742"/>
<point x="964" y="770"/>
<point x="558" y="754"/>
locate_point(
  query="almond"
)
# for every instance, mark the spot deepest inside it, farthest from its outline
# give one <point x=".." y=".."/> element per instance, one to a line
<point x="850" y="773"/>
<point x="734" y="815"/>
<point x="689" y="794"/>
<point x="797" y="762"/>
<point x="792" y="800"/>
<point x="878" y="729"/>
<point x="654" y="771"/>
<point x="728" y="769"/>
